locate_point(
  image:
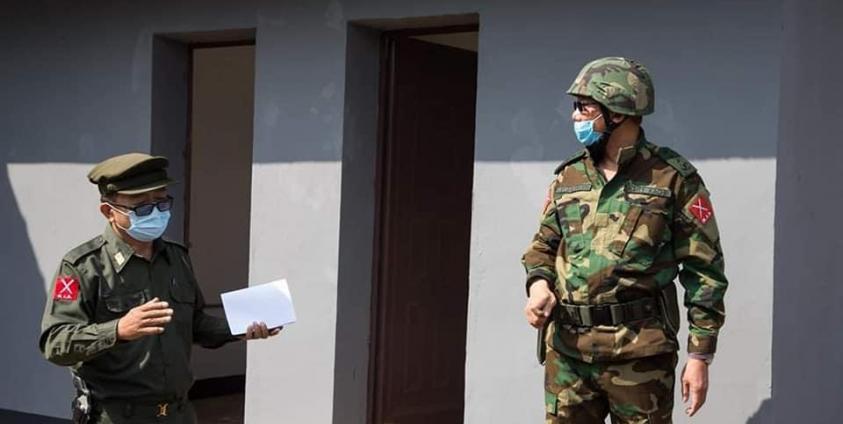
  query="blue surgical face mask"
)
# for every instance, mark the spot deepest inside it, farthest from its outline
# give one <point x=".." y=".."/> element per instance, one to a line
<point x="585" y="131"/>
<point x="148" y="227"/>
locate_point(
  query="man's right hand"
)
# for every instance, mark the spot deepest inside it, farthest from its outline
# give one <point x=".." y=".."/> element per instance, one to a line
<point x="540" y="304"/>
<point x="144" y="320"/>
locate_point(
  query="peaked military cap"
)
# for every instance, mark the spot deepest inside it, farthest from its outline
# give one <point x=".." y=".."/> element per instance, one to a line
<point x="132" y="173"/>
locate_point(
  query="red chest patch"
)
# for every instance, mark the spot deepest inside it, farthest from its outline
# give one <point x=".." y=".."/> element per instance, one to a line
<point x="66" y="289"/>
<point x="701" y="209"/>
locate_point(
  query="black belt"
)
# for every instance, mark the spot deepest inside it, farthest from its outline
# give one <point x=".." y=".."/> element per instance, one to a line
<point x="610" y="314"/>
<point x="148" y="408"/>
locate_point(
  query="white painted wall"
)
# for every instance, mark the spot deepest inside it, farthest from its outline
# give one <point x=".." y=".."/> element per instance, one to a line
<point x="75" y="97"/>
<point x="53" y="211"/>
<point x="294" y="235"/>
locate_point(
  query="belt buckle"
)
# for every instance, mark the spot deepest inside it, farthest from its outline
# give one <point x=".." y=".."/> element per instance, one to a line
<point x="601" y="315"/>
<point x="162" y="409"/>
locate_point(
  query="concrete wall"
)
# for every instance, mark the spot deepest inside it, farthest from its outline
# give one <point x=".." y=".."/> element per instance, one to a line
<point x="807" y="364"/>
<point x="80" y="91"/>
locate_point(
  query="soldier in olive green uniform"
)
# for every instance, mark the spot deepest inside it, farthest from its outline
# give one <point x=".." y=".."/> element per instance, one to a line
<point x="622" y="219"/>
<point x="125" y="307"/>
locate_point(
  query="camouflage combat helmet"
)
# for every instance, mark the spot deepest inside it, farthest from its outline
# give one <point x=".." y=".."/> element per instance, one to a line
<point x="621" y="85"/>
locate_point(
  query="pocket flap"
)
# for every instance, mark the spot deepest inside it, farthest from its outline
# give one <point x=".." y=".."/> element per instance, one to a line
<point x="182" y="292"/>
<point x="120" y="303"/>
<point x="633" y="188"/>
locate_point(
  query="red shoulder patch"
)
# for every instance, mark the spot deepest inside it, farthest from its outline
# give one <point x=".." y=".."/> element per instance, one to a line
<point x="66" y="289"/>
<point x="701" y="209"/>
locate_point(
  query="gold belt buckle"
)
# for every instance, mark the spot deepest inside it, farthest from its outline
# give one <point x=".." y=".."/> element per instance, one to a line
<point x="162" y="409"/>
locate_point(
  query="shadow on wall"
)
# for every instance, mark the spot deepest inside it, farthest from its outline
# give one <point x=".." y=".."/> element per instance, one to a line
<point x="21" y="306"/>
<point x="764" y="414"/>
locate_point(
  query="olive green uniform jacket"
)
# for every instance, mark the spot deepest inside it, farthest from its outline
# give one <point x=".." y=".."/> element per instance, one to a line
<point x="99" y="282"/>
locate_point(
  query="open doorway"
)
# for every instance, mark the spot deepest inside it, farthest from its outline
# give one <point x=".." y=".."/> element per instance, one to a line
<point x="219" y="166"/>
<point x="423" y="220"/>
<point x="219" y="185"/>
<point x="203" y="100"/>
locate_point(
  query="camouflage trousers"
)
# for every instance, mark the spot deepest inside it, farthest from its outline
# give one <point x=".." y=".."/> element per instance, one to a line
<point x="637" y="391"/>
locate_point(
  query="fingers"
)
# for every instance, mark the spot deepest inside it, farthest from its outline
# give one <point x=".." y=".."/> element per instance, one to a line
<point x="256" y="331"/>
<point x="537" y="321"/>
<point x="538" y="310"/>
<point x="156" y="313"/>
<point x="261" y="331"/>
<point x="533" y="318"/>
<point x="155" y="321"/>
<point x="694" y="387"/>
<point x="250" y="332"/>
<point x="697" y="400"/>
<point x="149" y="331"/>
<point x="153" y="304"/>
<point x="548" y="307"/>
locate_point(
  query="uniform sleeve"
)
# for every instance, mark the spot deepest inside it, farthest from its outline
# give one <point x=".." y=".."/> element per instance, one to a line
<point x="68" y="333"/>
<point x="697" y="248"/>
<point x="208" y="331"/>
<point x="540" y="257"/>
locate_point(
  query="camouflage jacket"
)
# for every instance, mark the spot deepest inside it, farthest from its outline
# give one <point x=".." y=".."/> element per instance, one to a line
<point x="605" y="242"/>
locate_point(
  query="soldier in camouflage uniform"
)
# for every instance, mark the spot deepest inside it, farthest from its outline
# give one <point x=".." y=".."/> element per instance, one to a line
<point x="125" y="307"/>
<point x="622" y="219"/>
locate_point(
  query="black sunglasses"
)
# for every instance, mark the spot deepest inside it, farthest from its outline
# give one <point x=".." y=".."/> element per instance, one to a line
<point x="146" y="208"/>
<point x="580" y="105"/>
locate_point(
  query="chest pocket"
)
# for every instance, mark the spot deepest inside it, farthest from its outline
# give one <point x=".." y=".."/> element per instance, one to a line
<point x="118" y="304"/>
<point x="572" y="208"/>
<point x="182" y="291"/>
<point x="645" y="226"/>
<point x="183" y="295"/>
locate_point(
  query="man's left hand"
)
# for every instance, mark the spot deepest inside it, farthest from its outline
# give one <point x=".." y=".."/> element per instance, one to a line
<point x="258" y="330"/>
<point x="694" y="385"/>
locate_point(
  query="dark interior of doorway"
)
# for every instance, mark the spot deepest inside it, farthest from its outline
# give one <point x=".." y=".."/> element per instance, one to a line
<point x="176" y="125"/>
<point x="424" y="181"/>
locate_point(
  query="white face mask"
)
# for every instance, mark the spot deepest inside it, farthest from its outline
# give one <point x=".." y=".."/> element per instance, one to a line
<point x="147" y="227"/>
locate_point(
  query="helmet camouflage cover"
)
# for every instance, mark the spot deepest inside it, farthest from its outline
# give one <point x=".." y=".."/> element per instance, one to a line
<point x="620" y="84"/>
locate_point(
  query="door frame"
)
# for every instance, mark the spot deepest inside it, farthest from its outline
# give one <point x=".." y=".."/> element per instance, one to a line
<point x="381" y="210"/>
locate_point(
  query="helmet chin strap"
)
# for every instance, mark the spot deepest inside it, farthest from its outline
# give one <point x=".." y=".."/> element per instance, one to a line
<point x="598" y="149"/>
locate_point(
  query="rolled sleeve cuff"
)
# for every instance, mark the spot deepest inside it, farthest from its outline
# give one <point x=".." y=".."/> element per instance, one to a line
<point x="107" y="334"/>
<point x="539" y="274"/>
<point x="707" y="358"/>
<point x="702" y="345"/>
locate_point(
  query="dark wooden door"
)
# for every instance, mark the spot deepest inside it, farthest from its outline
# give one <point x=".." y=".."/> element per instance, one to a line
<point x="421" y="290"/>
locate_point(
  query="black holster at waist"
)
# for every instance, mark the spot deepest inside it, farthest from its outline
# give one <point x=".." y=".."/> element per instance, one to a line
<point x="611" y="314"/>
<point x="81" y="407"/>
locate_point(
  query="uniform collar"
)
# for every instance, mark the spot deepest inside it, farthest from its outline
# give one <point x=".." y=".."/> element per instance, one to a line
<point x="628" y="153"/>
<point x="120" y="252"/>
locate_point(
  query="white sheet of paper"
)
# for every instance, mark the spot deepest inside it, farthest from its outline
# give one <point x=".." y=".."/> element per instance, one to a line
<point x="270" y="303"/>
